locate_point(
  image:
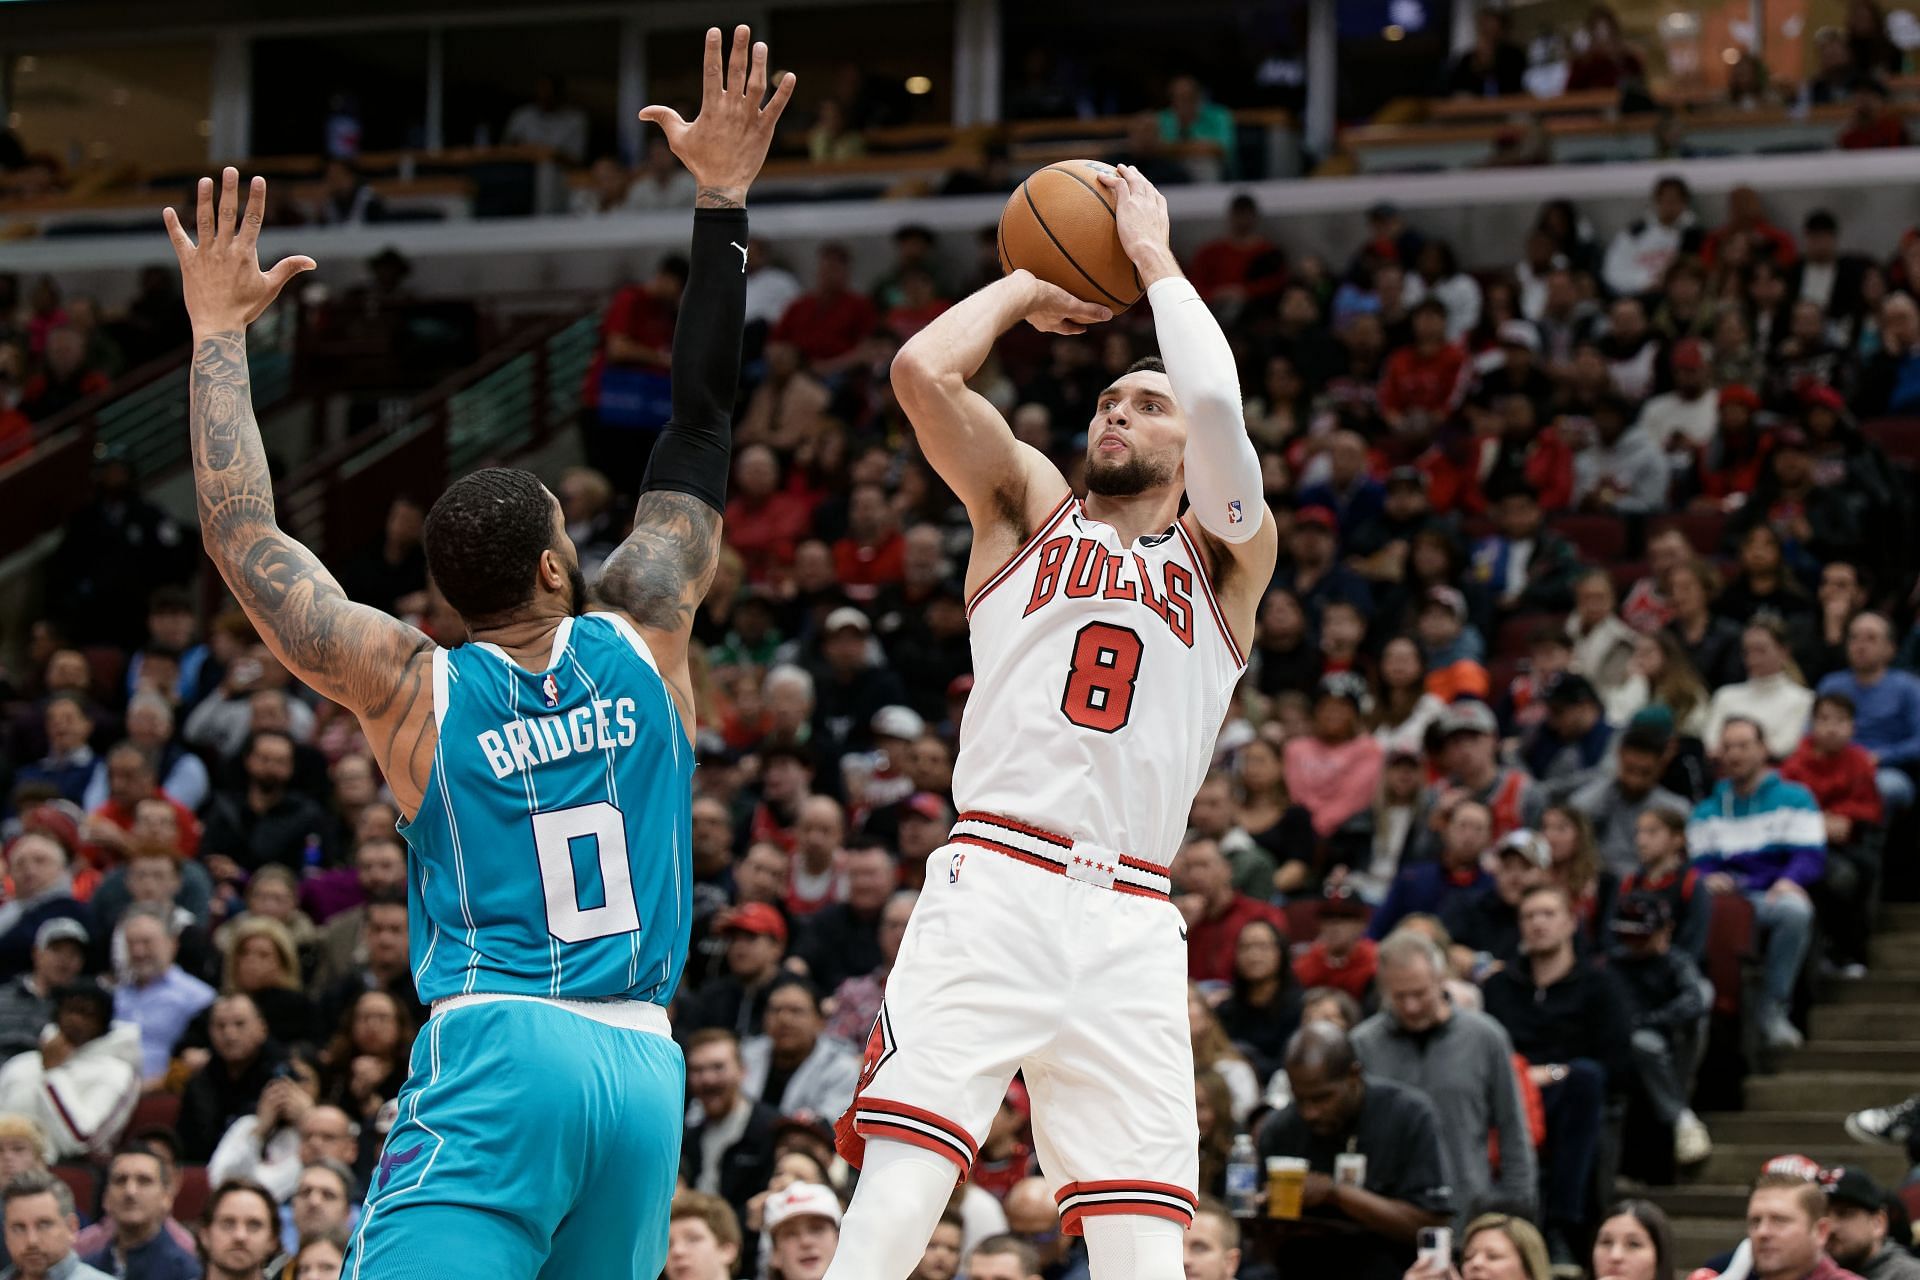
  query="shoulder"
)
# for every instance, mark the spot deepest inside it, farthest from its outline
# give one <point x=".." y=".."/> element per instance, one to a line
<point x="1400" y="1104"/>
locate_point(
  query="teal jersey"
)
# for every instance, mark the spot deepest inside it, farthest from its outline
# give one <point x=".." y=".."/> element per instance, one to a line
<point x="551" y="854"/>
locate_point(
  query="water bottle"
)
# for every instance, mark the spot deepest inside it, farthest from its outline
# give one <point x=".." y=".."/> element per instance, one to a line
<point x="1243" y="1178"/>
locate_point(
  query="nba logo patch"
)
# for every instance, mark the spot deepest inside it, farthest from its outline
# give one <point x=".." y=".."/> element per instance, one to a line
<point x="550" y="689"/>
<point x="953" y="866"/>
<point x="1234" y="514"/>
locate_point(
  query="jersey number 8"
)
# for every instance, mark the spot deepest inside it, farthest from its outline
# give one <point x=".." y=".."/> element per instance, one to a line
<point x="1106" y="666"/>
<point x="553" y="835"/>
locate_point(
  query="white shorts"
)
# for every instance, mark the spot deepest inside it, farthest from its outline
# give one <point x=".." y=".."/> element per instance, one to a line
<point x="1080" y="987"/>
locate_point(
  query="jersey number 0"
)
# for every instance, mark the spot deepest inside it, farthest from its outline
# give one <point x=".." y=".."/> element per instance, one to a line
<point x="1106" y="666"/>
<point x="554" y="833"/>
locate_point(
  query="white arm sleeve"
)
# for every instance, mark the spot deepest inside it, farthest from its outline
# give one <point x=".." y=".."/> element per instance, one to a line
<point x="1223" y="471"/>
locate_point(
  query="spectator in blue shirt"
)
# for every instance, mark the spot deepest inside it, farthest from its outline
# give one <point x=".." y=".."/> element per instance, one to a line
<point x="1429" y="886"/>
<point x="1886" y="707"/>
<point x="140" y="1190"/>
<point x="1758" y="834"/>
<point x="156" y="994"/>
<point x="1357" y="500"/>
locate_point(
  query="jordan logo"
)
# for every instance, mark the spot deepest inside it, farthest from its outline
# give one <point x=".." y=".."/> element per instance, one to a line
<point x="391" y="1160"/>
<point x="743" y="255"/>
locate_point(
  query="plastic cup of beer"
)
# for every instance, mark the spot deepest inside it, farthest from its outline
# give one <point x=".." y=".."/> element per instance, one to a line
<point x="1286" y="1180"/>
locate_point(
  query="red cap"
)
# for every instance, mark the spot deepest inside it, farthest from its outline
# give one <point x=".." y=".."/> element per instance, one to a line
<point x="51" y="820"/>
<point x="1321" y="516"/>
<point x="1017" y="1099"/>
<point x="1689" y="354"/>
<point x="1798" y="1165"/>
<point x="1820" y="395"/>
<point x="753" y="917"/>
<point x="927" y="805"/>
<point x="1737" y="394"/>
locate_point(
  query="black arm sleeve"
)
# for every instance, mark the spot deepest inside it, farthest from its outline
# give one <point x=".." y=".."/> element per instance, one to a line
<point x="695" y="450"/>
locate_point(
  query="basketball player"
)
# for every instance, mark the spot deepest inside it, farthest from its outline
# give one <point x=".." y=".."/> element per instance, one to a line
<point x="544" y="768"/>
<point x="1108" y="635"/>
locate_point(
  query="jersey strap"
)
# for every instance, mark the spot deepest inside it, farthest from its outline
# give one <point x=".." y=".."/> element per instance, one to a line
<point x="1206" y="589"/>
<point x="1019" y="557"/>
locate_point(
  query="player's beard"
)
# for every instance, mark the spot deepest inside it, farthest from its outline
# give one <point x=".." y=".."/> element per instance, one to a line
<point x="577" y="585"/>
<point x="1126" y="479"/>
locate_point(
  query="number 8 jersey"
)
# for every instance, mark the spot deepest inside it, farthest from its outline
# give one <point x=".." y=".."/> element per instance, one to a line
<point x="551" y="856"/>
<point x="1102" y="674"/>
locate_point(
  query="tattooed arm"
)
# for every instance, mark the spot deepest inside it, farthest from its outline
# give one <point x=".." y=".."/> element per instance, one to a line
<point x="659" y="575"/>
<point x="373" y="664"/>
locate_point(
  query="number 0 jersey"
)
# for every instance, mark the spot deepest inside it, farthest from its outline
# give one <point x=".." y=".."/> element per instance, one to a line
<point x="551" y="855"/>
<point x="1102" y="674"/>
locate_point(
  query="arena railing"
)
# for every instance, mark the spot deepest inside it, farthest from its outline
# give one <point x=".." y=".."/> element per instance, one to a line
<point x="140" y="419"/>
<point x="514" y="399"/>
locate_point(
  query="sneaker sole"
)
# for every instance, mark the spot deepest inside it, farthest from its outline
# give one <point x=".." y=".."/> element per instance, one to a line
<point x="1860" y="1133"/>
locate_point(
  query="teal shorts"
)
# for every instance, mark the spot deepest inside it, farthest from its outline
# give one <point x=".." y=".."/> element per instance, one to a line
<point x="532" y="1143"/>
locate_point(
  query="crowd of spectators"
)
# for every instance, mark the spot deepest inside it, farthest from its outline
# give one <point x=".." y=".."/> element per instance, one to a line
<point x="55" y="350"/>
<point x="1591" y="624"/>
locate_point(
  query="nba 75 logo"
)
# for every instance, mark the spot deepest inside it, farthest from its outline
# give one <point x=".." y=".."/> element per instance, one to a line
<point x="1234" y="514"/>
<point x="550" y="690"/>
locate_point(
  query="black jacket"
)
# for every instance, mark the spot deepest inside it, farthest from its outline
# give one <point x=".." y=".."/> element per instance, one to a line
<point x="838" y="943"/>
<point x="1485" y="922"/>
<point x="745" y="1167"/>
<point x="1581" y="1016"/>
<point x="214" y="1099"/>
<point x="1662" y="990"/>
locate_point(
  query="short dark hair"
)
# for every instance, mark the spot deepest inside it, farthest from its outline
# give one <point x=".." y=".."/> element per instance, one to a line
<point x="243" y="1186"/>
<point x="1146" y="364"/>
<point x="675" y="265"/>
<point x="1821" y="220"/>
<point x="150" y="1151"/>
<point x="484" y="538"/>
<point x="794" y="980"/>
<point x="170" y="600"/>
<point x="387" y="898"/>
<point x="1675" y="182"/>
<point x="88" y="992"/>
<point x="1839" y="702"/>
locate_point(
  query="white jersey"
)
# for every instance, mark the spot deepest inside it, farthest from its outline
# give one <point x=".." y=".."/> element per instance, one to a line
<point x="1102" y="674"/>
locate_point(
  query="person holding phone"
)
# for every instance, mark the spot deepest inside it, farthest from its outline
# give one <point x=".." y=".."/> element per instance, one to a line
<point x="1496" y="1246"/>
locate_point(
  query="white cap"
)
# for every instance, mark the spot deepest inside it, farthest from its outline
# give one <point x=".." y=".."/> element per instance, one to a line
<point x="846" y="616"/>
<point x="800" y="1200"/>
<point x="898" y="722"/>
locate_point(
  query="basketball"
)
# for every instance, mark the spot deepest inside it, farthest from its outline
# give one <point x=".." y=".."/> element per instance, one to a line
<point x="1059" y="225"/>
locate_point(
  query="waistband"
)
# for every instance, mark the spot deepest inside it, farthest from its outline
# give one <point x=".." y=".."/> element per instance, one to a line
<point x="1076" y="859"/>
<point x="629" y="1015"/>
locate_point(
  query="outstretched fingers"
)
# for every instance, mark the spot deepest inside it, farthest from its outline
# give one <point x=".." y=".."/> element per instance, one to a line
<point x="782" y="93"/>
<point x="287" y="268"/>
<point x="737" y="61"/>
<point x="203" y="210"/>
<point x="229" y="201"/>
<point x="712" y="83"/>
<point x="182" y="244"/>
<point x="256" y="215"/>
<point x="757" y="77"/>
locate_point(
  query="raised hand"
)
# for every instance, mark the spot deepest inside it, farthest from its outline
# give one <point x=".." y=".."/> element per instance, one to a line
<point x="726" y="144"/>
<point x="220" y="277"/>
<point x="1140" y="216"/>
